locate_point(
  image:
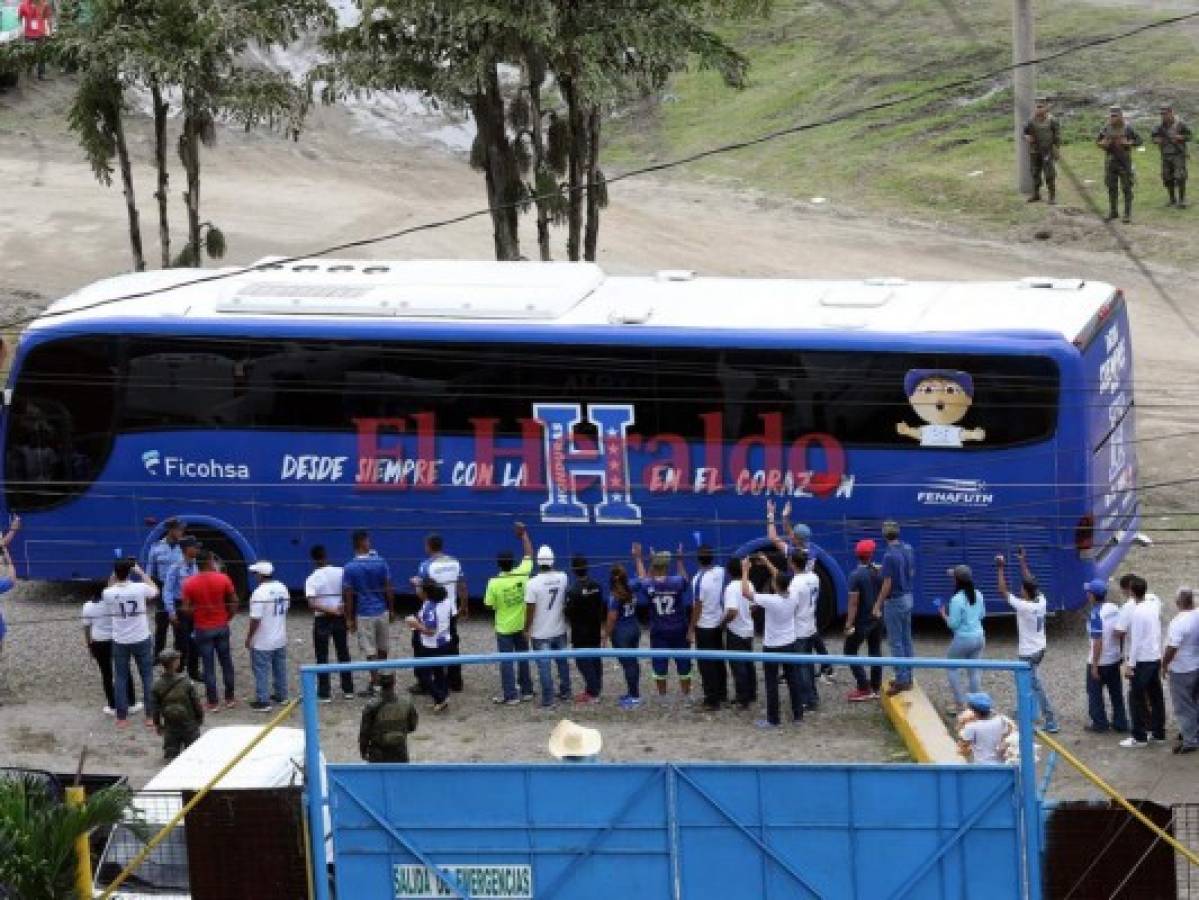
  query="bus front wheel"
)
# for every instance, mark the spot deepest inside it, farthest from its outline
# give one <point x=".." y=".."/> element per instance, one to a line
<point x="228" y="557"/>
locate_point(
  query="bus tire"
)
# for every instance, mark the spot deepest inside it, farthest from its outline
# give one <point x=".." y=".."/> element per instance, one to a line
<point x="229" y="557"/>
<point x="826" y="606"/>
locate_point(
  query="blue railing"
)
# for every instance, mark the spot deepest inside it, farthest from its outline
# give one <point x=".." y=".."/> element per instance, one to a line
<point x="1027" y="781"/>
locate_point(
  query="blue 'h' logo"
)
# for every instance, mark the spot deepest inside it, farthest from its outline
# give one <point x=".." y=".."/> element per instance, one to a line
<point x="565" y="462"/>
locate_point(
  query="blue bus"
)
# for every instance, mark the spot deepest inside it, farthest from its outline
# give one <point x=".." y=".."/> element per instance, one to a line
<point x="285" y="405"/>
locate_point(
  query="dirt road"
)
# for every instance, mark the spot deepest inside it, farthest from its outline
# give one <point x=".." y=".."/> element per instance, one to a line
<point x="60" y="230"/>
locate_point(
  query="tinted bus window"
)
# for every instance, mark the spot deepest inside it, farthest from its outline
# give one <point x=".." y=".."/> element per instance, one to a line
<point x="60" y="427"/>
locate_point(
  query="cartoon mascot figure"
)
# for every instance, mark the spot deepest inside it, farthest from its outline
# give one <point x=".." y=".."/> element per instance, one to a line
<point x="942" y="398"/>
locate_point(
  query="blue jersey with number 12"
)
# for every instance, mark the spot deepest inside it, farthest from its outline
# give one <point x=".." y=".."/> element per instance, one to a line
<point x="668" y="600"/>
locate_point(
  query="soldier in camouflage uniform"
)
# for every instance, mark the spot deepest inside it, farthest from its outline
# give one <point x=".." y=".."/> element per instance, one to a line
<point x="1044" y="137"/>
<point x="1172" y="136"/>
<point x="1117" y="138"/>
<point x="387" y="720"/>
<point x="178" y="713"/>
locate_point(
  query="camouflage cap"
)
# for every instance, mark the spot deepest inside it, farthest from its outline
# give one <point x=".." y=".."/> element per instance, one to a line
<point x="1115" y="111"/>
<point x="1167" y="107"/>
<point x="167" y="656"/>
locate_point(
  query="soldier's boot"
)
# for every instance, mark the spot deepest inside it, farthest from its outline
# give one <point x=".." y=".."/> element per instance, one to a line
<point x="1052" y="193"/>
<point x="1113" y="201"/>
<point x="1182" y="194"/>
<point x="1127" y="209"/>
<point x="1036" y="196"/>
<point x="1170" y="191"/>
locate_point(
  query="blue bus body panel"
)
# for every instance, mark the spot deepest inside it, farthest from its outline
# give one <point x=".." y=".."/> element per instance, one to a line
<point x="280" y="492"/>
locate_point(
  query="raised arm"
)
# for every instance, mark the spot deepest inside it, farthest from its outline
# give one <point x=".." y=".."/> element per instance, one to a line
<point x="680" y="566"/>
<point x="526" y="542"/>
<point x="638" y="561"/>
<point x="772" y="532"/>
<point x="1001" y="577"/>
<point x="1025" y="571"/>
<point x="788" y="530"/>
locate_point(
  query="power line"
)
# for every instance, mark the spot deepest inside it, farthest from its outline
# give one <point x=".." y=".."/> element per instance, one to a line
<point x="836" y="118"/>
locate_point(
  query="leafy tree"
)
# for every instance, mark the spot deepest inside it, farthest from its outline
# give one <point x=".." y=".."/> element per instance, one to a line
<point x="38" y="832"/>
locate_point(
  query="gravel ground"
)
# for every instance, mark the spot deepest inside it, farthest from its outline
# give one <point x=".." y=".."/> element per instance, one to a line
<point x="52" y="708"/>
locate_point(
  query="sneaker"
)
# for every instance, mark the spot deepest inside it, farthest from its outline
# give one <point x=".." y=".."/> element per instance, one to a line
<point x="212" y="708"/>
<point x="109" y="711"/>
<point x="275" y="698"/>
<point x="136" y="708"/>
<point x="501" y="700"/>
<point x="230" y="704"/>
<point x="367" y="693"/>
<point x="1154" y="739"/>
<point x="260" y="706"/>
<point x="627" y="702"/>
<point x="1052" y="729"/>
<point x="860" y="695"/>
<point x="441" y="707"/>
<point x="895" y="688"/>
<point x="347" y="695"/>
<point x="874" y="694"/>
<point x="585" y="699"/>
<point x="527" y="698"/>
<point x="149" y="723"/>
<point x="827" y="677"/>
<point x="122" y="723"/>
<point x="324" y="699"/>
<point x="765" y="724"/>
<point x="1131" y="743"/>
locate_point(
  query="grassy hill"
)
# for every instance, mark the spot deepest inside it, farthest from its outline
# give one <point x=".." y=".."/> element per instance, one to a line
<point x="948" y="158"/>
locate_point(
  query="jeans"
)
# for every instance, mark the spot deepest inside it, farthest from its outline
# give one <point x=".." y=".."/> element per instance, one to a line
<point x="509" y="677"/>
<point x="142" y="655"/>
<point x="1184" y="692"/>
<point x="806" y="674"/>
<point x="1048" y="716"/>
<point x="1147" y="701"/>
<point x="102" y="653"/>
<point x="872" y="635"/>
<point x="215" y="642"/>
<point x="1109" y="679"/>
<point x="897" y="617"/>
<point x="592" y="671"/>
<point x="435" y="679"/>
<point x="162" y="626"/>
<point x="964" y="647"/>
<point x="453" y="674"/>
<point x="818" y="646"/>
<point x="269" y="666"/>
<point x="324" y="630"/>
<point x="627" y="637"/>
<point x="713" y="674"/>
<point x="791" y="673"/>
<point x="545" y="677"/>
<point x="745" y="680"/>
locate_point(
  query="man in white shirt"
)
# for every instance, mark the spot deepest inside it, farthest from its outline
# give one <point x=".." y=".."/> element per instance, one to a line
<point x="779" y="638"/>
<point x="983" y="737"/>
<point x="447" y="571"/>
<point x="545" y="623"/>
<point x="126" y="603"/>
<point x="97" y="636"/>
<point x="1103" y="661"/>
<point x="1140" y="626"/>
<point x="804" y="589"/>
<point x="323" y="589"/>
<point x="267" y="637"/>
<point x="1182" y="663"/>
<point x="739" y="622"/>
<point x="1030" y="609"/>
<point x="707" y="626"/>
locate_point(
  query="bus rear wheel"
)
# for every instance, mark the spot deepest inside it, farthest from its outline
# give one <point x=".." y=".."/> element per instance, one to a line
<point x="229" y="557"/>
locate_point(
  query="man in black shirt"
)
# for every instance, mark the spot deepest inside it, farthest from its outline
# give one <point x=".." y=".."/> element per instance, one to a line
<point x="861" y="624"/>
<point x="586" y="613"/>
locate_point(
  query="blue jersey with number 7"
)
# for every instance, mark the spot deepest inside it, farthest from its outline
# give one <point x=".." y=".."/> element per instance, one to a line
<point x="669" y="600"/>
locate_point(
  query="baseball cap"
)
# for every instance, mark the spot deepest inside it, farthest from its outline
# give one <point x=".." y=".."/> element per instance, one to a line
<point x="803" y="532"/>
<point x="960" y="571"/>
<point x="1097" y="587"/>
<point x="167" y="655"/>
<point x="980" y="701"/>
<point x="1115" y="111"/>
<point x="864" y="548"/>
<point x="263" y="567"/>
<point x="545" y="556"/>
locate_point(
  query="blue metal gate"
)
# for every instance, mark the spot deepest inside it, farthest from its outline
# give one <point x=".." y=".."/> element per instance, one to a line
<point x="673" y="830"/>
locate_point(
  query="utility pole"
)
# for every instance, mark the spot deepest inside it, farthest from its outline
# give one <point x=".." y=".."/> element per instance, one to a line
<point x="1024" y="86"/>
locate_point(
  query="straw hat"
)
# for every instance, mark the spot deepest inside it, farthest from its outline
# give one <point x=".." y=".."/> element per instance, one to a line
<point x="569" y="739"/>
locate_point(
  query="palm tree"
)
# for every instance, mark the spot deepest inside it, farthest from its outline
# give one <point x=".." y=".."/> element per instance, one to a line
<point x="38" y="833"/>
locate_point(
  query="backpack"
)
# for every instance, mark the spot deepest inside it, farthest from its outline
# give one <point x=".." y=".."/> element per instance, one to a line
<point x="390" y="730"/>
<point x="177" y="709"/>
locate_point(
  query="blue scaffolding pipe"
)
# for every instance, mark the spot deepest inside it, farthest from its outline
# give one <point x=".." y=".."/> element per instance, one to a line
<point x="1030" y="803"/>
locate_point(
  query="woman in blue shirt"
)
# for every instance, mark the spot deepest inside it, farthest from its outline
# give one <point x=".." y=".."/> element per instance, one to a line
<point x="624" y="631"/>
<point x="964" y="615"/>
